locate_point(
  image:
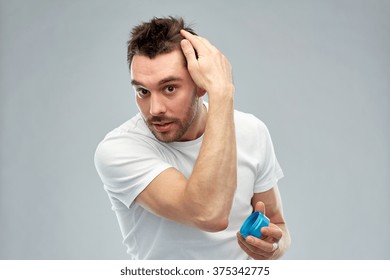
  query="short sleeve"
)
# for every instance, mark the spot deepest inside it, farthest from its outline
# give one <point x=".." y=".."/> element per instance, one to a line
<point x="269" y="171"/>
<point x="126" y="166"/>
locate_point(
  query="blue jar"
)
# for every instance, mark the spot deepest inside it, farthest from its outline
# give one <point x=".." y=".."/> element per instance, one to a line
<point x="253" y="224"/>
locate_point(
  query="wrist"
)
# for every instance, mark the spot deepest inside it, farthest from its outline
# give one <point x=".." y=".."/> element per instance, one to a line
<point x="222" y="93"/>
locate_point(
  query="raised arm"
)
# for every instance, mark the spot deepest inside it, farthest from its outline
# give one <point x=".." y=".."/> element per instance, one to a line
<point x="205" y="199"/>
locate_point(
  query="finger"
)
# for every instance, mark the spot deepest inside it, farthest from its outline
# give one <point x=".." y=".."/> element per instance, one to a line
<point x="195" y="40"/>
<point x="259" y="244"/>
<point x="188" y="51"/>
<point x="272" y="231"/>
<point x="260" y="206"/>
<point x="255" y="245"/>
<point x="245" y="245"/>
<point x="200" y="44"/>
<point x="252" y="251"/>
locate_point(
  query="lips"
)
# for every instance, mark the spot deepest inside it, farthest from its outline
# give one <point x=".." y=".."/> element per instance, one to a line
<point x="162" y="126"/>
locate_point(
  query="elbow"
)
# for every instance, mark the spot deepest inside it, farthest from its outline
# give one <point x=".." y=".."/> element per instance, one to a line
<point x="209" y="216"/>
<point x="212" y="224"/>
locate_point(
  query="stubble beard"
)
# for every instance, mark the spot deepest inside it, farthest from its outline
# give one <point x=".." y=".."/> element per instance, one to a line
<point x="183" y="125"/>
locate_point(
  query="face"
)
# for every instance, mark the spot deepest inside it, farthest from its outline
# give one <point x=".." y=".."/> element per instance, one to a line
<point x="166" y="96"/>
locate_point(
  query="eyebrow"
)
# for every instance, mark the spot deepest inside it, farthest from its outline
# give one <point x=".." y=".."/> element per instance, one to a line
<point x="168" y="79"/>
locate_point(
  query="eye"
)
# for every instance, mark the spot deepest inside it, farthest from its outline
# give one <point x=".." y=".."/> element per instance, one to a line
<point x="170" y="89"/>
<point x="141" y="92"/>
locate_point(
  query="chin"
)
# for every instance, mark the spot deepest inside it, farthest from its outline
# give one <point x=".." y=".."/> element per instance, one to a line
<point x="166" y="138"/>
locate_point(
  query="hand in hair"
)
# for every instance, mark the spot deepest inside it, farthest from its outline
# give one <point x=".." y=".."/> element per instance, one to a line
<point x="208" y="67"/>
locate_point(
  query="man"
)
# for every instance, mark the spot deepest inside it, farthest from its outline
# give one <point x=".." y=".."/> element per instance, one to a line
<point x="183" y="175"/>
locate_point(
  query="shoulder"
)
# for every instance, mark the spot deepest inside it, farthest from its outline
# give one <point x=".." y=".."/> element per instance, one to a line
<point x="249" y="124"/>
<point x="133" y="127"/>
<point x="130" y="139"/>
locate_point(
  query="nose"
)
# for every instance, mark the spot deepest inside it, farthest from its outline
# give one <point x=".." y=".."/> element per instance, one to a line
<point x="157" y="105"/>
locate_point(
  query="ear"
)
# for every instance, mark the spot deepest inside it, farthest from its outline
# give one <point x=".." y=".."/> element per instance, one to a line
<point x="201" y="92"/>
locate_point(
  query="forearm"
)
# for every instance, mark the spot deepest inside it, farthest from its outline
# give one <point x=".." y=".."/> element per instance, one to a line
<point x="213" y="182"/>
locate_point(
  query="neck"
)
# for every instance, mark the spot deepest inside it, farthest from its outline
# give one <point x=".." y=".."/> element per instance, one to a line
<point x="198" y="125"/>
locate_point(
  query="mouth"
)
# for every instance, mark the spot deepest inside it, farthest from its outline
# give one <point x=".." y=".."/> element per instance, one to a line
<point x="162" y="126"/>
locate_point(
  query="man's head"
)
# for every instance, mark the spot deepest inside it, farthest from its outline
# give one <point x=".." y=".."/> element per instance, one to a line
<point x="166" y="95"/>
<point x="158" y="36"/>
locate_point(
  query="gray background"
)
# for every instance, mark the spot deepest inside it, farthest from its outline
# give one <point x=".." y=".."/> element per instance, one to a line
<point x="316" y="72"/>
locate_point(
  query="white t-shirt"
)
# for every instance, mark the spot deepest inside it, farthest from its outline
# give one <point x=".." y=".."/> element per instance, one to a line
<point x="130" y="157"/>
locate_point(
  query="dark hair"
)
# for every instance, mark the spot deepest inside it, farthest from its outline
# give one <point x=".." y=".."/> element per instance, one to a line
<point x="158" y="36"/>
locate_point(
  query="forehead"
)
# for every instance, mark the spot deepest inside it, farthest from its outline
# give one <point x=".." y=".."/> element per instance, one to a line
<point x="149" y="71"/>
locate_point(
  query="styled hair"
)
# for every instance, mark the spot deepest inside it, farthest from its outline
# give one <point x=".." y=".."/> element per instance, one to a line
<point x="158" y="36"/>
